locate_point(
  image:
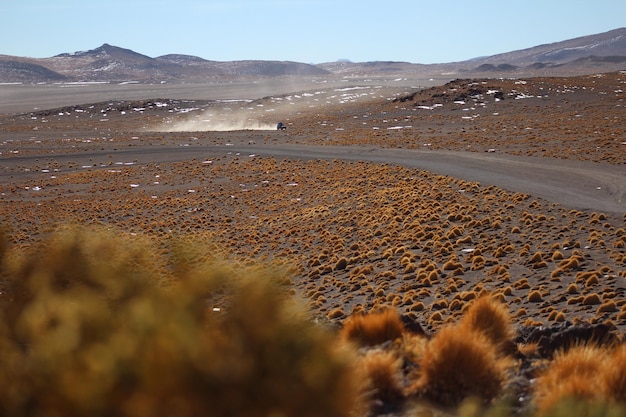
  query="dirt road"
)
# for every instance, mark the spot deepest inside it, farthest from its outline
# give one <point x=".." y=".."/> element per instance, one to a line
<point x="571" y="183"/>
<point x="574" y="184"/>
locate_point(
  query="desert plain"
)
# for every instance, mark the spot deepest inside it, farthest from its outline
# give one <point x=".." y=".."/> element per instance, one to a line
<point x="418" y="198"/>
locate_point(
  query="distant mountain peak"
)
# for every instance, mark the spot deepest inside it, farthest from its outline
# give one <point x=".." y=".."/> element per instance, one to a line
<point x="105" y="47"/>
<point x="104" y="50"/>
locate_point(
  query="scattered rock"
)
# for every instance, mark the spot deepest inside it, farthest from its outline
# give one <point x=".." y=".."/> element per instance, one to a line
<point x="565" y="335"/>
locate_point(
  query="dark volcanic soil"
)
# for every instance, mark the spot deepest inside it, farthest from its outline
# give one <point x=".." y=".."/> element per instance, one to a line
<point x="374" y="196"/>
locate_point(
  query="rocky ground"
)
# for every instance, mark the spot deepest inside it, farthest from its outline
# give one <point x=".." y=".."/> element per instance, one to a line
<point x="357" y="231"/>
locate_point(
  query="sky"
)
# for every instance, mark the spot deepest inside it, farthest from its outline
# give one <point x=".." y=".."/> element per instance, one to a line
<point x="311" y="31"/>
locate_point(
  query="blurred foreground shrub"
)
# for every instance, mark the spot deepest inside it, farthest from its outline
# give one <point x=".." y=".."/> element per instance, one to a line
<point x="585" y="377"/>
<point x="88" y="328"/>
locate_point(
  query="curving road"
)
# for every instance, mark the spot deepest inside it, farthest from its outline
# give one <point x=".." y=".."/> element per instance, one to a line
<point x="574" y="184"/>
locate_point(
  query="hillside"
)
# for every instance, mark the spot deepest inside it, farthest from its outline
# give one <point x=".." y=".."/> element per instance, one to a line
<point x="602" y="45"/>
<point x="115" y="64"/>
<point x="602" y="52"/>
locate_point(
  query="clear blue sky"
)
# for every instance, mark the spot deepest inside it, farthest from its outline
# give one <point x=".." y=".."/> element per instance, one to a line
<point x="311" y="31"/>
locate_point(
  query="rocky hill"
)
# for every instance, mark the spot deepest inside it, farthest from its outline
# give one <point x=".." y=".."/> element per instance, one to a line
<point x="115" y="64"/>
<point x="602" y="52"/>
<point x="599" y="47"/>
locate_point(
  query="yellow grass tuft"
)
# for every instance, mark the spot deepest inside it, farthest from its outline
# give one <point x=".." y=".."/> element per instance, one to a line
<point x="490" y="317"/>
<point x="592" y="299"/>
<point x="418" y="306"/>
<point x="590" y="376"/>
<point x="374" y="328"/>
<point x="452" y="264"/>
<point x="572" y="374"/>
<point x="335" y="313"/>
<point x="607" y="307"/>
<point x="459" y="363"/>
<point x="341" y="264"/>
<point x="572" y="262"/>
<point x="557" y="255"/>
<point x="537" y="257"/>
<point x="615" y="375"/>
<point x="383" y="376"/>
<point x="535" y="296"/>
<point x="529" y="350"/>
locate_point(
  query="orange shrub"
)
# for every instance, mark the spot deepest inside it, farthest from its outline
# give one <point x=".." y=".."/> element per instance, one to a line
<point x="460" y="362"/>
<point x="383" y="375"/>
<point x="572" y="374"/>
<point x="86" y="330"/>
<point x="374" y="328"/>
<point x="615" y="375"/>
<point x="490" y="317"/>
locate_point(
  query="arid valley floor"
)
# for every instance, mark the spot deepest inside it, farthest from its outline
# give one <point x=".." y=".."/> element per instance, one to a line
<point x="373" y="196"/>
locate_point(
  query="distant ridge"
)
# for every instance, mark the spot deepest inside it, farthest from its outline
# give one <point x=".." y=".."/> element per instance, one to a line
<point x="601" y="52"/>
<point x="611" y="43"/>
<point x="26" y="72"/>
<point x="183" y="59"/>
<point x="114" y="64"/>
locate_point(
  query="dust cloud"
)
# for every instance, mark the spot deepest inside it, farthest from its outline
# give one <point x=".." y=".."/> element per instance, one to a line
<point x="267" y="112"/>
<point x="206" y="125"/>
<point x="219" y="120"/>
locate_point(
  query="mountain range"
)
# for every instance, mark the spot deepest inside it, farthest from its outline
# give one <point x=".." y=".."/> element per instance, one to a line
<point x="594" y="53"/>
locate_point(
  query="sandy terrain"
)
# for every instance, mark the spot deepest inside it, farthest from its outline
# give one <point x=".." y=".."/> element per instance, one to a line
<point x="374" y="195"/>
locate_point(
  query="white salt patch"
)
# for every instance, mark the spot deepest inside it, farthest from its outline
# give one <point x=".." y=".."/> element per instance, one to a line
<point x="352" y="88"/>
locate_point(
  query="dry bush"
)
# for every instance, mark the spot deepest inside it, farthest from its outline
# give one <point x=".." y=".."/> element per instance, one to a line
<point x="87" y="329"/>
<point x="614" y="375"/>
<point x="460" y="362"/>
<point x="413" y="346"/>
<point x="490" y="317"/>
<point x="383" y="375"/>
<point x="373" y="328"/>
<point x="573" y="374"/>
<point x="535" y="296"/>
